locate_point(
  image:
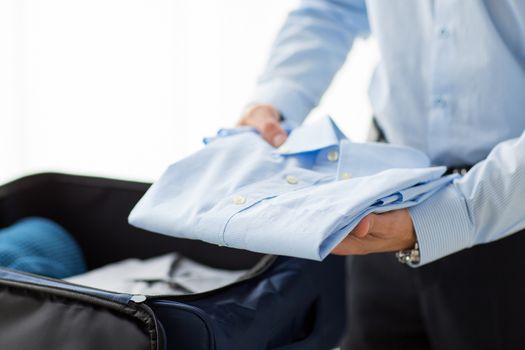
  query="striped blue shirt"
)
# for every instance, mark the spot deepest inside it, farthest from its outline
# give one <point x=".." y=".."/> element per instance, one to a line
<point x="451" y="83"/>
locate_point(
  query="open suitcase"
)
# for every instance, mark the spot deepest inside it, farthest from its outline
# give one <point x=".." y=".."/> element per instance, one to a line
<point x="282" y="303"/>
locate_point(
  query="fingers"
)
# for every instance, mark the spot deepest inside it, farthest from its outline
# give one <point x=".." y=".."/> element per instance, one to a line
<point x="351" y="245"/>
<point x="354" y="243"/>
<point x="272" y="132"/>
<point x="364" y="227"/>
<point x="265" y="119"/>
<point x="386" y="232"/>
<point x="359" y="240"/>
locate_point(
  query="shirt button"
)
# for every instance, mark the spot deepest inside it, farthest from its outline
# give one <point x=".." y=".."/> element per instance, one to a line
<point x="239" y="200"/>
<point x="444" y="33"/>
<point x="292" y="180"/>
<point x="332" y="156"/>
<point x="440" y="102"/>
<point x="346" y="176"/>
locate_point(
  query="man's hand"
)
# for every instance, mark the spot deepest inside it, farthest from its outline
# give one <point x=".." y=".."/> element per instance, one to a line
<point x="387" y="232"/>
<point x="265" y="118"/>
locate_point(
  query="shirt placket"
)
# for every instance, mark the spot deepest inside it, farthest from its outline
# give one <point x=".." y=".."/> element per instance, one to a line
<point x="344" y="165"/>
<point x="328" y="160"/>
<point x="440" y="101"/>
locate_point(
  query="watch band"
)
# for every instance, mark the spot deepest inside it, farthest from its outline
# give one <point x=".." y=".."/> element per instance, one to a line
<point x="409" y="256"/>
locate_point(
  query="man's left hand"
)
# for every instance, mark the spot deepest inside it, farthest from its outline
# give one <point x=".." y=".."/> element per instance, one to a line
<point x="386" y="232"/>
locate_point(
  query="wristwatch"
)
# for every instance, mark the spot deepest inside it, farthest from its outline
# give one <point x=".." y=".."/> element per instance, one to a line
<point x="409" y="256"/>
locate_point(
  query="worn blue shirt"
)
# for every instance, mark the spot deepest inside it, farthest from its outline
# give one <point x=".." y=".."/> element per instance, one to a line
<point x="299" y="200"/>
<point x="451" y="83"/>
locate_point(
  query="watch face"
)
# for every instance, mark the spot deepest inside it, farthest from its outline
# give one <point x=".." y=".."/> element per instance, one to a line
<point x="409" y="256"/>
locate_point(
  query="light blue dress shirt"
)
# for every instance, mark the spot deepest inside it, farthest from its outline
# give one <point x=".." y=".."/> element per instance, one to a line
<point x="451" y="83"/>
<point x="299" y="200"/>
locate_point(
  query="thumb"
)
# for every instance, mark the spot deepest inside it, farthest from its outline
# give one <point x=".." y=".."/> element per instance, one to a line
<point x="271" y="131"/>
<point x="279" y="138"/>
<point x="364" y="227"/>
<point x="265" y="118"/>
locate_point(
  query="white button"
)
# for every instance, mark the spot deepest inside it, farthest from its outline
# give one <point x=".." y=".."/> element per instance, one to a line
<point x="333" y="156"/>
<point x="283" y="150"/>
<point x="238" y="200"/>
<point x="292" y="180"/>
<point x="346" y="176"/>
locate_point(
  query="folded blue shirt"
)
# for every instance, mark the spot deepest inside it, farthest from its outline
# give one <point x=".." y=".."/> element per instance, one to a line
<point x="300" y="200"/>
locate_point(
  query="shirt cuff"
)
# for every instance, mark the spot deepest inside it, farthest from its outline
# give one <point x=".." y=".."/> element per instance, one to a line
<point x="442" y="224"/>
<point x="293" y="104"/>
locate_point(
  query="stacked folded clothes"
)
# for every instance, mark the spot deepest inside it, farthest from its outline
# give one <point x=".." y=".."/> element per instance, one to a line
<point x="171" y="274"/>
<point x="300" y="200"/>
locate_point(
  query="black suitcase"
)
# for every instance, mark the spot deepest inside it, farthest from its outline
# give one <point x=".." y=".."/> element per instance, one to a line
<point x="282" y="303"/>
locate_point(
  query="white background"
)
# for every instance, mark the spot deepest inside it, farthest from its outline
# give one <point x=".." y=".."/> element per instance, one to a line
<point x="122" y="88"/>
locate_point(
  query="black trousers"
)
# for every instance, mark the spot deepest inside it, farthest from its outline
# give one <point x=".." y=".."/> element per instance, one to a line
<point x="474" y="299"/>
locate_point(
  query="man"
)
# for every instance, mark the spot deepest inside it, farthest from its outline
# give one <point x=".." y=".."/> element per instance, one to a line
<point x="451" y="82"/>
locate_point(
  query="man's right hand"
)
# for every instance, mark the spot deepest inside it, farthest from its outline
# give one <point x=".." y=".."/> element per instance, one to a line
<point x="265" y="118"/>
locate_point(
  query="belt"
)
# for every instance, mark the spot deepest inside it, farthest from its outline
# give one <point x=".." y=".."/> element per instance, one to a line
<point x="462" y="170"/>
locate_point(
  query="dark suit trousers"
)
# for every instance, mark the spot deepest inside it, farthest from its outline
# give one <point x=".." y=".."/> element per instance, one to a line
<point x="474" y="299"/>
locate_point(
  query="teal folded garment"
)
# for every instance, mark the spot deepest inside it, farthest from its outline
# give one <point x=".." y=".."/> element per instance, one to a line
<point x="40" y="246"/>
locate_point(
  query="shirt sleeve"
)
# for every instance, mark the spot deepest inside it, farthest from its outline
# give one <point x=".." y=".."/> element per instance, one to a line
<point x="308" y="51"/>
<point x="483" y="206"/>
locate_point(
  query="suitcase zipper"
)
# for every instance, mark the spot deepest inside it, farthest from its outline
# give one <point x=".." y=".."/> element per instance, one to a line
<point x="123" y="298"/>
<point x="161" y="342"/>
<point x="138" y="298"/>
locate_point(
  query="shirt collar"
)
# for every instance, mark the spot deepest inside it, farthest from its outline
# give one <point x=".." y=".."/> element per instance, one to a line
<point x="319" y="134"/>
